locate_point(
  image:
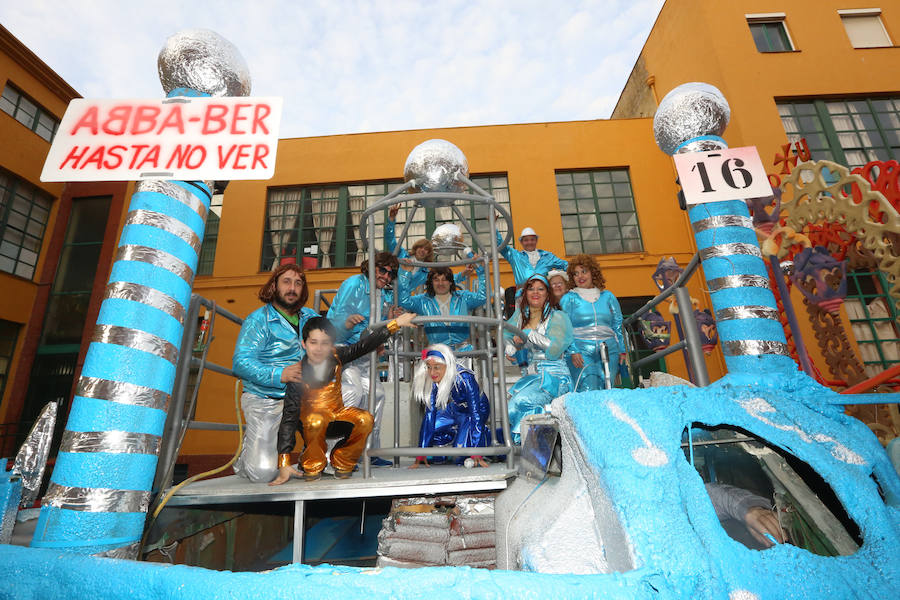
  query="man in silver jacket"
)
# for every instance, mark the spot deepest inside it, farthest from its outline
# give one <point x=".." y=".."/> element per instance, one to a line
<point x="266" y="358"/>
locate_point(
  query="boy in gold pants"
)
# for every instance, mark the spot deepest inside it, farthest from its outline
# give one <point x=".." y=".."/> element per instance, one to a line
<point x="316" y="402"/>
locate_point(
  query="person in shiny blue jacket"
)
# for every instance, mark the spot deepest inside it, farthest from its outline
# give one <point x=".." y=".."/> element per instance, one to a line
<point x="422" y="251"/>
<point x="529" y="260"/>
<point x="596" y="319"/>
<point x="266" y="358"/>
<point x="456" y="410"/>
<point x="548" y="334"/>
<point x="349" y="313"/>
<point x="443" y="297"/>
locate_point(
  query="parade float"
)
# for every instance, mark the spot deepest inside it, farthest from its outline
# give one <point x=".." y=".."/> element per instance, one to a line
<point x="603" y="499"/>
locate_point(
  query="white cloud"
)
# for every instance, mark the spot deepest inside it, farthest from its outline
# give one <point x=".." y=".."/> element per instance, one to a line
<point x="349" y="66"/>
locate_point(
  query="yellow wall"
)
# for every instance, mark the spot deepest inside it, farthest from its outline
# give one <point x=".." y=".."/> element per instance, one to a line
<point x="529" y="154"/>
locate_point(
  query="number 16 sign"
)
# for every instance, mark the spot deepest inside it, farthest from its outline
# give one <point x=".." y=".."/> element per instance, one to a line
<point x="729" y="174"/>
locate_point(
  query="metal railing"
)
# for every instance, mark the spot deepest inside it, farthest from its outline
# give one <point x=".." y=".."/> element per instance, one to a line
<point x="180" y="415"/>
<point x="690" y="342"/>
<point x="491" y="355"/>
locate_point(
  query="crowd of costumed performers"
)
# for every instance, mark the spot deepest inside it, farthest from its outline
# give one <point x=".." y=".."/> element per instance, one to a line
<point x="308" y="374"/>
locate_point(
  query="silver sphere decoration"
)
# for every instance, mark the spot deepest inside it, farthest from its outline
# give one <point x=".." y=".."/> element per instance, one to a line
<point x="433" y="165"/>
<point x="447" y="239"/>
<point x="202" y="60"/>
<point x="688" y="111"/>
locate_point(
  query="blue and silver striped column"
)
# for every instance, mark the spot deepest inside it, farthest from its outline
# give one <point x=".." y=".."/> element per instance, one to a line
<point x="691" y="118"/>
<point x="99" y="492"/>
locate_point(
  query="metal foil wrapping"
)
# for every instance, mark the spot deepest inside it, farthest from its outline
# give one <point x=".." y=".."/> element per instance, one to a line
<point x="737" y="281"/>
<point x="688" y="111"/>
<point x="121" y="392"/>
<point x="96" y="499"/>
<point x="175" y="191"/>
<point x="202" y="60"/>
<point x="753" y="347"/>
<point x="172" y="225"/>
<point x="31" y="459"/>
<point x="135" y="292"/>
<point x="129" y="552"/>
<point x="137" y="339"/>
<point x="447" y="238"/>
<point x="746" y="312"/>
<point x="787" y="267"/>
<point x="115" y="442"/>
<point x="155" y="257"/>
<point x="433" y="165"/>
<point x="729" y="249"/>
<point x="722" y="221"/>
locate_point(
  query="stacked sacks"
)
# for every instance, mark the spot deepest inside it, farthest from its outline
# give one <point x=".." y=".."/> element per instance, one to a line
<point x="433" y="532"/>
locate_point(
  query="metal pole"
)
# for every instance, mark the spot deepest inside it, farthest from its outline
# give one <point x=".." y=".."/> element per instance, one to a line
<point x="692" y="337"/>
<point x="374" y="315"/>
<point x="501" y="372"/>
<point x="400" y="339"/>
<point x="175" y="413"/>
<point x="785" y="294"/>
<point x="403" y="232"/>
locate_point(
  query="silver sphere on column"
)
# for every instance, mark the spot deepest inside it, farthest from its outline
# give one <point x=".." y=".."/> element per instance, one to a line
<point x="433" y="165"/>
<point x="447" y="239"/>
<point x="689" y="111"/>
<point x="202" y="60"/>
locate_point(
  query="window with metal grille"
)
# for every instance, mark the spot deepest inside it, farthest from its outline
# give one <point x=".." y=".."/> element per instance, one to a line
<point x="320" y="225"/>
<point x="873" y="319"/>
<point x="851" y="132"/>
<point x="770" y="34"/>
<point x="598" y="214"/>
<point x="24" y="210"/>
<point x="27" y="112"/>
<point x="210" y="237"/>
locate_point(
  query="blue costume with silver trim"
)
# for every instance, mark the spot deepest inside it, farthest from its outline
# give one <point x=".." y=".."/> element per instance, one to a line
<point x="522" y="266"/>
<point x="410" y="279"/>
<point x="352" y="298"/>
<point x="593" y="323"/>
<point x="463" y="423"/>
<point x="462" y="302"/>
<point x="548" y="374"/>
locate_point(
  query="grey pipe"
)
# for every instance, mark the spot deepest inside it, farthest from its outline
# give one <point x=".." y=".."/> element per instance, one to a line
<point x="692" y="336"/>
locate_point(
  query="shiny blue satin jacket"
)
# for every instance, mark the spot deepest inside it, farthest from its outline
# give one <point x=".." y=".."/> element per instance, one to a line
<point x="593" y="323"/>
<point x="352" y="298"/>
<point x="463" y="423"/>
<point x="521" y="266"/>
<point x="462" y="302"/>
<point x="411" y="279"/>
<point x="265" y="346"/>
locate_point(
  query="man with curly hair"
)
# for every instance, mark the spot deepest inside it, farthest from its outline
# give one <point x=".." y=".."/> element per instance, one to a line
<point x="266" y="358"/>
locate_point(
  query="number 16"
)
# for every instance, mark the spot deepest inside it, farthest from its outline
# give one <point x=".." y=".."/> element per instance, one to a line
<point x="727" y="175"/>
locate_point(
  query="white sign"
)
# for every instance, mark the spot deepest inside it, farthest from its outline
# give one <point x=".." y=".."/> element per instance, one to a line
<point x="730" y="174"/>
<point x="174" y="138"/>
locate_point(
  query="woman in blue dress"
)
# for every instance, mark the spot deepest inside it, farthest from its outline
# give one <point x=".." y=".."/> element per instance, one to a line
<point x="548" y="335"/>
<point x="456" y="410"/>
<point x="596" y="318"/>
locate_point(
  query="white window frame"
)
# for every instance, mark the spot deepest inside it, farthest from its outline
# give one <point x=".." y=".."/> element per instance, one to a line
<point x="864" y="12"/>
<point x="775" y="17"/>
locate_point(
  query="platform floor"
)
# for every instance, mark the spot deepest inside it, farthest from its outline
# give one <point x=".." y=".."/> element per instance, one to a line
<point x="383" y="482"/>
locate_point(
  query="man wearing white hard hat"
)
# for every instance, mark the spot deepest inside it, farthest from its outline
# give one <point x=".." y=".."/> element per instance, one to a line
<point x="530" y="261"/>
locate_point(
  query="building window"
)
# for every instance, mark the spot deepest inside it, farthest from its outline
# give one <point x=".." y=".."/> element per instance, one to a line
<point x="24" y="211"/>
<point x="598" y="214"/>
<point x="851" y="132"/>
<point x="9" y="333"/>
<point x="477" y="214"/>
<point x="210" y="236"/>
<point x="864" y="28"/>
<point x="770" y="33"/>
<point x="70" y="294"/>
<point x="320" y="225"/>
<point x="873" y="319"/>
<point x="24" y="110"/>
